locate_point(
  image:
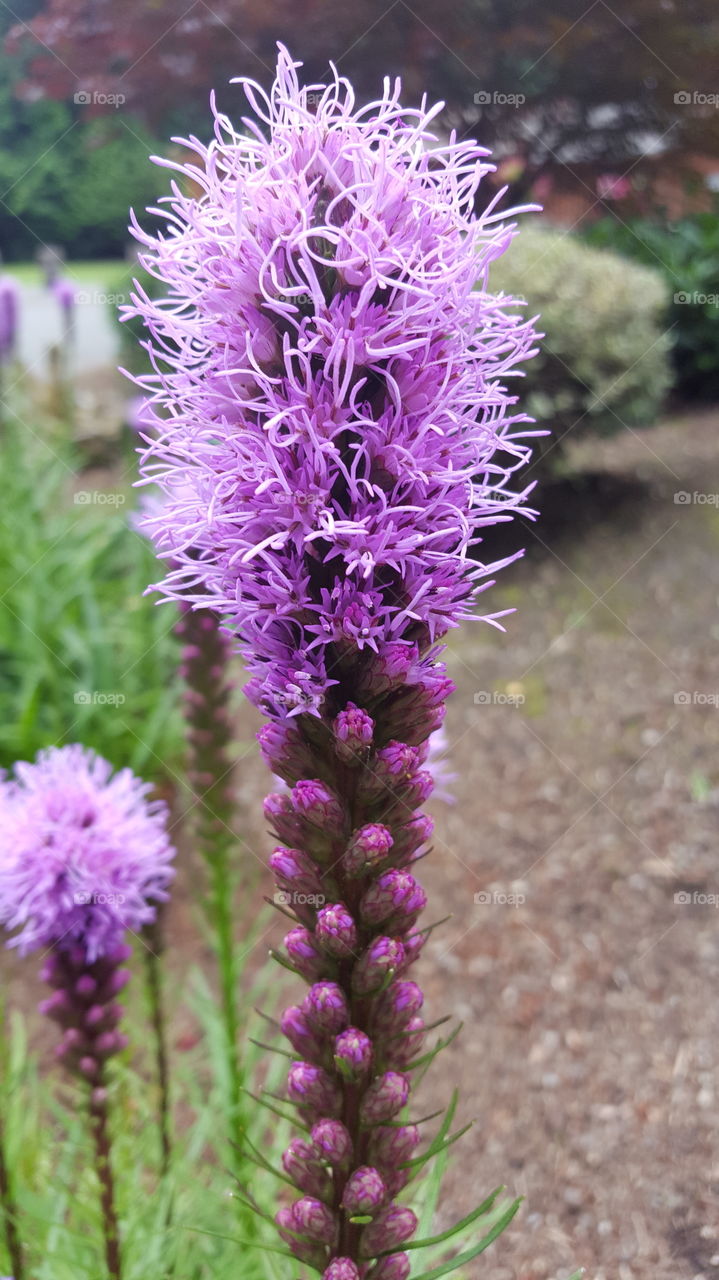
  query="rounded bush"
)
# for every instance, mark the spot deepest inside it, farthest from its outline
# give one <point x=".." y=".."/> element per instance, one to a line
<point x="604" y="363"/>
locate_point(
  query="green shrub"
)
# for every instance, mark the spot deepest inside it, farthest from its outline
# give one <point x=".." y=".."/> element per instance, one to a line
<point x="603" y="363"/>
<point x="687" y="252"/>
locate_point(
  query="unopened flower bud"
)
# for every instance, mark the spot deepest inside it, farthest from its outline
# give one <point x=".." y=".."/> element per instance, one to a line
<point x="314" y="802"/>
<point x="367" y="849"/>
<point x="305" y="955"/>
<point x="386" y="1096"/>
<point x="353" y="730"/>
<point x="313" y="1089"/>
<point x="395" y="1007"/>
<point x="336" y="931"/>
<point x="395" y="896"/>
<point x="391" y="1227"/>
<point x="315" y="1221"/>
<point x="326" y="1007"/>
<point x="364" y="1192"/>
<point x="393" y="1145"/>
<point x="333" y="1141"/>
<point x="353" y="1054"/>
<point x="396" y="1266"/>
<point x="301" y="1163"/>
<point x="303" y="1037"/>
<point x="341" y="1269"/>
<point x="376" y="965"/>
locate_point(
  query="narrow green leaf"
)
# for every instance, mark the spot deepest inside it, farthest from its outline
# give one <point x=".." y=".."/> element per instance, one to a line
<point x="445" y="1268"/>
<point x="458" y="1226"/>
<point x="432" y="1053"/>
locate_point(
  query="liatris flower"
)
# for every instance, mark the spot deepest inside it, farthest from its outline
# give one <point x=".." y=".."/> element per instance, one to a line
<point x="8" y="317"/>
<point x="85" y="856"/>
<point x="336" y="434"/>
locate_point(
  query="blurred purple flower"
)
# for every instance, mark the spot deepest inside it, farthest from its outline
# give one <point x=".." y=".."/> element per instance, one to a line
<point x="84" y="853"/>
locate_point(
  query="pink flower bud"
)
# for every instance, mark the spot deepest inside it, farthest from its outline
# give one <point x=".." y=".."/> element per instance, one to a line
<point x="376" y="965"/>
<point x="395" y="1007"/>
<point x="314" y="1090"/>
<point x="401" y="1050"/>
<point x="341" y="1269"/>
<point x="301" y="1163"/>
<point x="304" y="954"/>
<point x="353" y="1054"/>
<point x="326" y="1007"/>
<point x="393" y="1146"/>
<point x="364" y="1192"/>
<point x="302" y="1035"/>
<point x="315" y="1221"/>
<point x="333" y="1141"/>
<point x="336" y="931"/>
<point x="367" y="849"/>
<point x="314" y="802"/>
<point x="353" y="730"/>
<point x="396" y="896"/>
<point x="386" y="1096"/>
<point x="392" y="1226"/>
<point x="394" y="1267"/>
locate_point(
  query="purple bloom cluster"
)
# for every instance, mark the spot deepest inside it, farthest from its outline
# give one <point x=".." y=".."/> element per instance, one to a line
<point x="84" y="854"/>
<point x="335" y="432"/>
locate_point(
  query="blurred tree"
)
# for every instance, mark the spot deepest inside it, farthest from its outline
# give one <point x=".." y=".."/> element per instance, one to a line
<point x="555" y="83"/>
<point x="65" y="178"/>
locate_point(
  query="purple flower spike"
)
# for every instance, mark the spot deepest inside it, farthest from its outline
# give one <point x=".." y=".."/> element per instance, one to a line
<point x="353" y="730"/>
<point x="333" y="1141"/>
<point x="342" y="1269"/>
<point x="367" y="849"/>
<point x="386" y="1096"/>
<point x="313" y="1089"/>
<point x="396" y="1266"/>
<point x="364" y="1193"/>
<point x="391" y="1227"/>
<point x="336" y="931"/>
<point x="383" y="958"/>
<point x="396" y="896"/>
<point x="110" y="861"/>
<point x="336" y="430"/>
<point x="353" y="1054"/>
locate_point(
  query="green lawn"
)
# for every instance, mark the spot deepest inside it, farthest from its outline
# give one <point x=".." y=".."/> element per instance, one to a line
<point x="110" y="272"/>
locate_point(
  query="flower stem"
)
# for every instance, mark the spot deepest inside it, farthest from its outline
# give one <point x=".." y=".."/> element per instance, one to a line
<point x="153" y="951"/>
<point x="10" y="1213"/>
<point x="103" y="1165"/>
